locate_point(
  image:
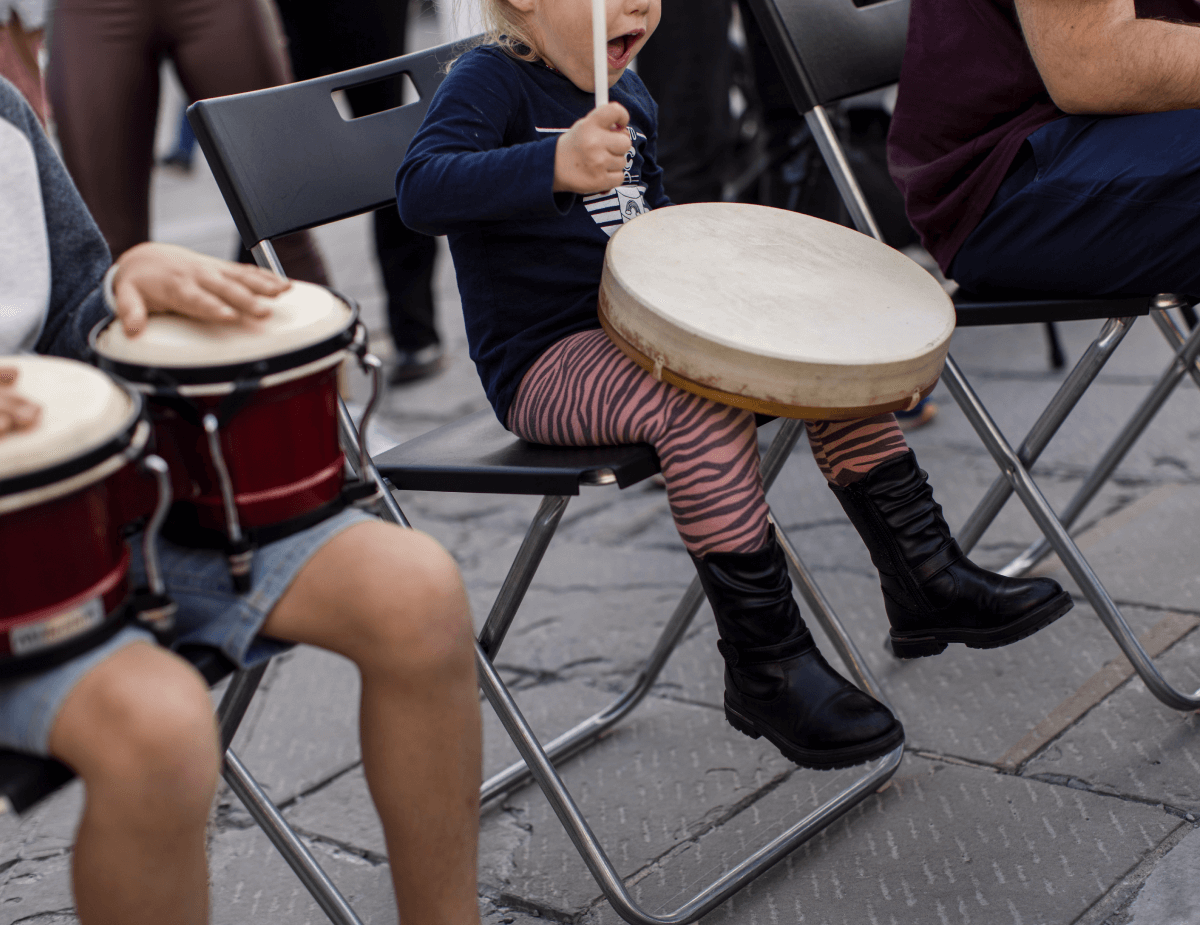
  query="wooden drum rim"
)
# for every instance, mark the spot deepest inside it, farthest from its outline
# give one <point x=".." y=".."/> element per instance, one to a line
<point x="757" y="405"/>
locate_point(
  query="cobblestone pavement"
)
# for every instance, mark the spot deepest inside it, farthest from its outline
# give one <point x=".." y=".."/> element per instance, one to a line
<point x="1041" y="783"/>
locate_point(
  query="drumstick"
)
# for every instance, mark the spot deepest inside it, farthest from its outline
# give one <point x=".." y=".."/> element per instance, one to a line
<point x="600" y="51"/>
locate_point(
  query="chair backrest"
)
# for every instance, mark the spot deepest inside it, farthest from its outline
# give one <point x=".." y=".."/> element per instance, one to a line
<point x="285" y="159"/>
<point x="835" y="48"/>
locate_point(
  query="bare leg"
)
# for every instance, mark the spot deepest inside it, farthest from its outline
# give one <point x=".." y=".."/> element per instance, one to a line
<point x="392" y="601"/>
<point x="139" y="730"/>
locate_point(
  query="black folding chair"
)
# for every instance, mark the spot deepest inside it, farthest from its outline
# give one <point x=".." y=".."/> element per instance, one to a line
<point x="829" y="50"/>
<point x="286" y="160"/>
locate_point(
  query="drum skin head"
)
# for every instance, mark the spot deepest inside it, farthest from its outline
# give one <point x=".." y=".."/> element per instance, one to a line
<point x="82" y="409"/>
<point x="775" y="311"/>
<point x="303" y="315"/>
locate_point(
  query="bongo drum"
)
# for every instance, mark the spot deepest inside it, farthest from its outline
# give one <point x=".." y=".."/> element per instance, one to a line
<point x="68" y="488"/>
<point x="246" y="416"/>
<point x="773" y="311"/>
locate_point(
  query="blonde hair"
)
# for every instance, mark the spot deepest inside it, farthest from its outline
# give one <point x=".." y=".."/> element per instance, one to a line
<point x="503" y="26"/>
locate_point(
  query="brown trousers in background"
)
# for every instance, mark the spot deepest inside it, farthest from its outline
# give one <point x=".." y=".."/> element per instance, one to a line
<point x="103" y="79"/>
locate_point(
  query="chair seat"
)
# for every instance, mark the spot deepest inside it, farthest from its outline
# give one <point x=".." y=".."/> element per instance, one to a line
<point x="26" y="779"/>
<point x="476" y="454"/>
<point x="975" y="310"/>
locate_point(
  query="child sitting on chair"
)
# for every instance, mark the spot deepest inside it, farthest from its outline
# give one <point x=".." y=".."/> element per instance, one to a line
<point x="133" y="719"/>
<point x="529" y="181"/>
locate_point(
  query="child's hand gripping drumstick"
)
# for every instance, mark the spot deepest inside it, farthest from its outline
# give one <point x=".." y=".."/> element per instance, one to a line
<point x="590" y="157"/>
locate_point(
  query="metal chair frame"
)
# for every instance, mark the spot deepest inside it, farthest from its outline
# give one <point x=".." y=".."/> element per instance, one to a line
<point x="796" y="31"/>
<point x="259" y="220"/>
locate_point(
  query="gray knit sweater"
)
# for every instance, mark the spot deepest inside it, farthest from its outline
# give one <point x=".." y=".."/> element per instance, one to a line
<point x="52" y="255"/>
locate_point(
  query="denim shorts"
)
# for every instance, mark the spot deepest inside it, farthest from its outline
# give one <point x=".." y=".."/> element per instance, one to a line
<point x="210" y="613"/>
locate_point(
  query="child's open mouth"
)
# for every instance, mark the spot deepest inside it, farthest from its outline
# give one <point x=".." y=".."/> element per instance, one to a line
<point x="620" y="49"/>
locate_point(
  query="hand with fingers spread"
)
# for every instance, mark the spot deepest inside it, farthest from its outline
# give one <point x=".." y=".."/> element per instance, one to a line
<point x="590" y="157"/>
<point x="16" y="413"/>
<point x="153" y="278"/>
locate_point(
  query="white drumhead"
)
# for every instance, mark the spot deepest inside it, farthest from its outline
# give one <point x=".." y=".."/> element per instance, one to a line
<point x="747" y="298"/>
<point x="302" y="316"/>
<point x="82" y="408"/>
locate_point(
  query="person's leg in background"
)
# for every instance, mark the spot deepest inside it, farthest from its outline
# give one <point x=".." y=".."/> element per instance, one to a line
<point x="183" y="154"/>
<point x="234" y="46"/>
<point x="103" y="83"/>
<point x="1094" y="205"/>
<point x="20" y="43"/>
<point x="336" y="36"/>
<point x="103" y="80"/>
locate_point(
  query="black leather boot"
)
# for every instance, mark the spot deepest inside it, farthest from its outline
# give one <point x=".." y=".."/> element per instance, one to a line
<point x="933" y="594"/>
<point x="777" y="684"/>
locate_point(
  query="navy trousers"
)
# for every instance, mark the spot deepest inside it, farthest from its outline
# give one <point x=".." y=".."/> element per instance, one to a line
<point x="1095" y="206"/>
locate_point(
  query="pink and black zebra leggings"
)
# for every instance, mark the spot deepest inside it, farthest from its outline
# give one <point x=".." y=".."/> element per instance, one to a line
<point x="584" y="391"/>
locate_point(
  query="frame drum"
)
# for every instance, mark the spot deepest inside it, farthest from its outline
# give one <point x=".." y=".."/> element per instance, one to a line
<point x="270" y="389"/>
<point x="773" y="311"/>
<point x="67" y="488"/>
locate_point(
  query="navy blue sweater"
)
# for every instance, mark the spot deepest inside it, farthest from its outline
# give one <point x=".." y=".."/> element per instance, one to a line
<point x="481" y="170"/>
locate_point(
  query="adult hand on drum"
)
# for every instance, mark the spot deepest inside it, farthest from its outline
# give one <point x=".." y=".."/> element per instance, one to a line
<point x="16" y="413"/>
<point x="152" y="278"/>
<point x="590" y="157"/>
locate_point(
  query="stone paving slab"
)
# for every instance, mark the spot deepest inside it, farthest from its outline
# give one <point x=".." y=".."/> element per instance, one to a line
<point x="252" y="883"/>
<point x="45" y="829"/>
<point x="946" y="843"/>
<point x="37" y="889"/>
<point x="1169" y="896"/>
<point x="643" y="791"/>
<point x="1151" y="533"/>
<point x="342" y="810"/>
<point x="556" y="633"/>
<point x="661" y="778"/>
<point x="1130" y="744"/>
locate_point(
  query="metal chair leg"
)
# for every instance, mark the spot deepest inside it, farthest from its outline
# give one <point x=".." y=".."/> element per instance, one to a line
<point x="1060" y="540"/>
<point x="815" y="598"/>
<point x="521" y="572"/>
<point x="1047" y="425"/>
<point x="582" y="735"/>
<point x="597" y="860"/>
<point x="1184" y="362"/>
<point x="1058" y="359"/>
<point x="229" y="716"/>
<point x="287" y="842"/>
<point x="236" y="701"/>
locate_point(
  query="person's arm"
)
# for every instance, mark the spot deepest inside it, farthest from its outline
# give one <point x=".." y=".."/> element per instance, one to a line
<point x="459" y="172"/>
<point x="1096" y="57"/>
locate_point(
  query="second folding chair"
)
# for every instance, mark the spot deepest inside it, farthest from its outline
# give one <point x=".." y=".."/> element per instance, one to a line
<point x="286" y="160"/>
<point x="830" y="50"/>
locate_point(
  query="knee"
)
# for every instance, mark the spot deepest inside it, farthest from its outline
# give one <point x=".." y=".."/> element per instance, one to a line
<point x="412" y="616"/>
<point x="152" y="747"/>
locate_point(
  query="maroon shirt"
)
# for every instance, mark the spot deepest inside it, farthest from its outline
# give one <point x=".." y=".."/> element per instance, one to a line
<point x="969" y="97"/>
